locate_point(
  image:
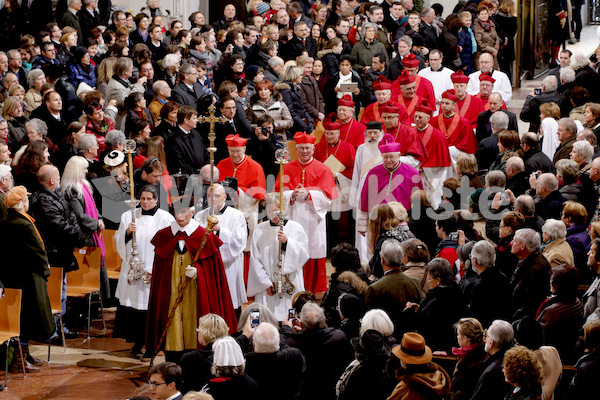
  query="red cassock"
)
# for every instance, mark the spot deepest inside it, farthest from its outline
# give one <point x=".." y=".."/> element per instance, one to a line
<point x="435" y="143"/>
<point x="469" y="108"/>
<point x="457" y="131"/>
<point x="249" y="173"/>
<point x="343" y="151"/>
<point x="486" y="105"/>
<point x="372" y="113"/>
<point x="424" y="89"/>
<point x="353" y="132"/>
<point x="411" y="104"/>
<point x="410" y="142"/>
<point x="213" y="291"/>
<point x="313" y="175"/>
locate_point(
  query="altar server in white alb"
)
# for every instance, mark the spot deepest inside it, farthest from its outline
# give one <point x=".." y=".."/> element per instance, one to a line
<point x="264" y="259"/>
<point x="233" y="231"/>
<point x="130" y="321"/>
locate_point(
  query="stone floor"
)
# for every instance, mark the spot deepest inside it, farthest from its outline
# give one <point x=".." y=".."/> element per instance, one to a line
<point x="103" y="368"/>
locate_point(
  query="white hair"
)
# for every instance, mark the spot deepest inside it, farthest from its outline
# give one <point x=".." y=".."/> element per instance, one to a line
<point x="567" y="74"/>
<point x="73" y="177"/>
<point x="585" y="149"/>
<point x="378" y="320"/>
<point x="555" y="229"/>
<point x="170" y="60"/>
<point x="266" y="338"/>
<point x="485" y="253"/>
<point x="529" y="237"/>
<point x="550" y="83"/>
<point x="502" y="333"/>
<point x="5" y="170"/>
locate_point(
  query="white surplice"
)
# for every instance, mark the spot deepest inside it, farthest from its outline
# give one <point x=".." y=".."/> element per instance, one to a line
<point x="311" y="215"/>
<point x="264" y="256"/>
<point x="136" y="295"/>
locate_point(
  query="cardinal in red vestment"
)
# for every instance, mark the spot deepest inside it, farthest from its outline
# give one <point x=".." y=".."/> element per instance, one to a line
<point x="486" y="86"/>
<point x="309" y="189"/>
<point x="383" y="92"/>
<point x="332" y="146"/>
<point x="351" y="131"/>
<point x="456" y="129"/>
<point x="206" y="292"/>
<point x="423" y="85"/>
<point x="249" y="174"/>
<point x="410" y="143"/>
<point x="408" y="94"/>
<point x="467" y="106"/>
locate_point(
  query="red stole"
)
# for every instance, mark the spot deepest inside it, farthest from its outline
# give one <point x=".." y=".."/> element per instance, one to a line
<point x="442" y="124"/>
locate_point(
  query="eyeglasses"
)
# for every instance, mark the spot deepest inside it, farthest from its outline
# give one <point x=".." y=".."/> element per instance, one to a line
<point x="156" y="384"/>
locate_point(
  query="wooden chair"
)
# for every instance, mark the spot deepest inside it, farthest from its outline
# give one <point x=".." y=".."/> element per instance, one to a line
<point x="85" y="282"/>
<point x="113" y="260"/>
<point x="55" y="287"/>
<point x="10" y="324"/>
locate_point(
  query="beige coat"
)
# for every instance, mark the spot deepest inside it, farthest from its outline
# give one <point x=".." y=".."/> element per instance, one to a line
<point x="486" y="41"/>
<point x="559" y="252"/>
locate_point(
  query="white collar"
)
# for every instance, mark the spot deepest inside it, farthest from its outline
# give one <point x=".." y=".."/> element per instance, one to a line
<point x="189" y="228"/>
<point x="174" y="396"/>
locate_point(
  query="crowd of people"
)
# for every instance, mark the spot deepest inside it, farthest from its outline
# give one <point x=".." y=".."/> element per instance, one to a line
<point x="369" y="133"/>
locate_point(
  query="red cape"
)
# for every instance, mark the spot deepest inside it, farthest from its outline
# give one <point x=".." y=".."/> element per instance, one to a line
<point x="343" y="151"/>
<point x="372" y="113"/>
<point x="471" y="111"/>
<point x="250" y="176"/>
<point x="435" y="143"/>
<point x="462" y="137"/>
<point x="353" y="132"/>
<point x="317" y="177"/>
<point x="410" y="141"/>
<point x="213" y="290"/>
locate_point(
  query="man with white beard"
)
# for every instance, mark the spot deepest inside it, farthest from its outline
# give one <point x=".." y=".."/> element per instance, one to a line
<point x="233" y="231"/>
<point x="367" y="156"/>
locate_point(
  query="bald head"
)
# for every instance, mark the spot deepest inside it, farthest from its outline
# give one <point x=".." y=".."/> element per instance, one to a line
<point x="205" y="173"/>
<point x="217" y="193"/>
<point x="595" y="170"/>
<point x="48" y="176"/>
<point x="514" y="165"/>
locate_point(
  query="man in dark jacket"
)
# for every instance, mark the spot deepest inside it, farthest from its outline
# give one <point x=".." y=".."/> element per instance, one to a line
<point x="70" y="18"/>
<point x="488" y="147"/>
<point x="300" y="42"/>
<point x="188" y="90"/>
<point x="327" y="352"/>
<point x="57" y="225"/>
<point x="534" y="159"/>
<point x="567" y="134"/>
<point x="185" y="149"/>
<point x="484" y="128"/>
<point x="394" y="289"/>
<point x="517" y="180"/>
<point x="550" y="203"/>
<point x="490" y="292"/>
<point x="590" y="183"/>
<point x="531" y="109"/>
<point x="531" y="280"/>
<point x="51" y="113"/>
<point x="277" y="368"/>
<point x="312" y="99"/>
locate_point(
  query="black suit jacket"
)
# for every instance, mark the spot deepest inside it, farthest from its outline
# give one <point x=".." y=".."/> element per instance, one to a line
<point x="530" y="285"/>
<point x="487" y="152"/>
<point x="429" y="35"/>
<point x="186" y="97"/>
<point x="484" y="129"/>
<point x="531" y="109"/>
<point x="185" y="152"/>
<point x="36" y="16"/>
<point x="87" y="21"/>
<point x="57" y="130"/>
<point x="294" y="48"/>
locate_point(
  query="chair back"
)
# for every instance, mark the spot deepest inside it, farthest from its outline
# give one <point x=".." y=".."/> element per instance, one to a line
<point x="55" y="287"/>
<point x="10" y="314"/>
<point x="87" y="278"/>
<point x="113" y="260"/>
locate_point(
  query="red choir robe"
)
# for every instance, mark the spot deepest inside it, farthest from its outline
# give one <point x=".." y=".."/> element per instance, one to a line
<point x="424" y="89"/>
<point x="213" y="294"/>
<point x="409" y="140"/>
<point x="249" y="173"/>
<point x="353" y="132"/>
<point x="469" y="108"/>
<point x="411" y="104"/>
<point x="435" y="144"/>
<point x="372" y="113"/>
<point x="486" y="105"/>
<point x="343" y="151"/>
<point x="457" y="131"/>
<point x="313" y="176"/>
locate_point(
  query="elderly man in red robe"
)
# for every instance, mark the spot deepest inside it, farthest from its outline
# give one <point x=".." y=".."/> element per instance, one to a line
<point x="412" y="149"/>
<point x="486" y="86"/>
<point x="423" y="85"/>
<point x="207" y="290"/>
<point x="467" y="106"/>
<point x="391" y="181"/>
<point x="456" y="129"/>
<point x="251" y="183"/>
<point x="309" y="189"/>
<point x="339" y="157"/>
<point x="408" y="94"/>
<point x="383" y="92"/>
<point x="438" y="166"/>
<point x="351" y="131"/>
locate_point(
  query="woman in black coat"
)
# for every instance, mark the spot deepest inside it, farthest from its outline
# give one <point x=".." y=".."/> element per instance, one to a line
<point x="585" y="380"/>
<point x="441" y="308"/>
<point x="471" y="355"/>
<point x="507" y="22"/>
<point x="506" y="261"/>
<point x="330" y="94"/>
<point x="449" y="44"/>
<point x="289" y="89"/>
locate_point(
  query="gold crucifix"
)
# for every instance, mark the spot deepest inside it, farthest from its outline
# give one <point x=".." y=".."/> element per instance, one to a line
<point x="211" y="119"/>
